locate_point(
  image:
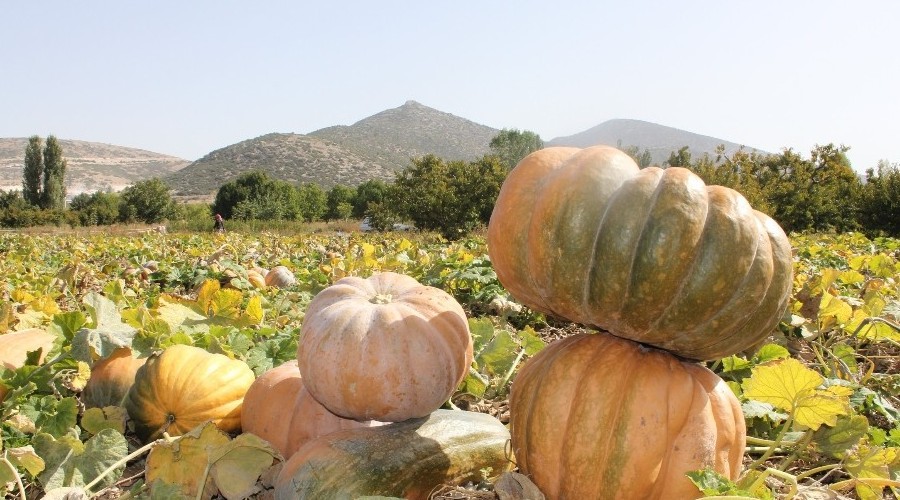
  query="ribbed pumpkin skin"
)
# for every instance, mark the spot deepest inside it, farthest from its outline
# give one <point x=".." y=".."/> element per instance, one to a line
<point x="651" y="255"/>
<point x="405" y="459"/>
<point x="596" y="416"/>
<point x="385" y="348"/>
<point x="280" y="277"/>
<point x="279" y="409"/>
<point x="111" y="378"/>
<point x="184" y="386"/>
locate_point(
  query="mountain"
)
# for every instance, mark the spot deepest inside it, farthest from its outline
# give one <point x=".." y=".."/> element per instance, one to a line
<point x="91" y="166"/>
<point x="660" y="140"/>
<point x="375" y="147"/>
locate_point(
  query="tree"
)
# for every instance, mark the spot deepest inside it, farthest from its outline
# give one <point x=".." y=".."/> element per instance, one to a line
<point x="368" y="193"/>
<point x="33" y="173"/>
<point x="681" y="158"/>
<point x="880" y="199"/>
<point x="54" y="189"/>
<point x="146" y="201"/>
<point x="313" y="202"/>
<point x="96" y="209"/>
<point x="511" y="145"/>
<point x="253" y="185"/>
<point x="340" y="202"/>
<point x="452" y="198"/>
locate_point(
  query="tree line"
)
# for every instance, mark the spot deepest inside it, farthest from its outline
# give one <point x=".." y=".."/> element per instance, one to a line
<point x="454" y="197"/>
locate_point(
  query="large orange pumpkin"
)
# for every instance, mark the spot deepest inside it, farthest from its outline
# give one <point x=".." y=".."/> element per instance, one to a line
<point x="384" y="348"/>
<point x="279" y="409"/>
<point x="651" y="255"/>
<point x="183" y="387"/>
<point x="111" y="378"/>
<point x="596" y="416"/>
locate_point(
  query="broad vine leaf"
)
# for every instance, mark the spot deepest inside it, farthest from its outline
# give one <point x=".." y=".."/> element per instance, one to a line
<point x="712" y="483"/>
<point x="95" y="420"/>
<point x="791" y="386"/>
<point x="108" y="334"/>
<point x="872" y="463"/>
<point x="846" y="433"/>
<point x="757" y="409"/>
<point x="771" y="352"/>
<point x="482" y="332"/>
<point x="184" y="461"/>
<point x="237" y="466"/>
<point x="69" y="462"/>
<point x="69" y="323"/>
<point x="50" y="415"/>
<point x="27" y="458"/>
<point x="531" y="342"/>
<point x="499" y="355"/>
<point x="175" y="314"/>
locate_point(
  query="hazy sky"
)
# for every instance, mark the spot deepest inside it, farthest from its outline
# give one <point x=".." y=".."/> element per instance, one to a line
<point x="187" y="77"/>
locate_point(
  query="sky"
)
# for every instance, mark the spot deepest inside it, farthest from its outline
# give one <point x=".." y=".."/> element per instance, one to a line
<point x="185" y="78"/>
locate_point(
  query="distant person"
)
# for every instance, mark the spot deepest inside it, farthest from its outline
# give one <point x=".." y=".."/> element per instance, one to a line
<point x="219" y="225"/>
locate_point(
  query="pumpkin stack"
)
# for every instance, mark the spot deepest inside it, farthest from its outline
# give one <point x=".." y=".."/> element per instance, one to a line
<point x="672" y="272"/>
<point x="377" y="358"/>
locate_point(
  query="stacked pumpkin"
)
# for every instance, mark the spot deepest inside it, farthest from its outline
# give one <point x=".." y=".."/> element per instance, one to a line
<point x="358" y="413"/>
<point x="672" y="272"/>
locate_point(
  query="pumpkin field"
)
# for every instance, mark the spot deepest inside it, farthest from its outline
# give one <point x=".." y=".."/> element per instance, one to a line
<point x="820" y="396"/>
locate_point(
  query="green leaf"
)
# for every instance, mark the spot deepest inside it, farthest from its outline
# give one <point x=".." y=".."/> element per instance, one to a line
<point x="69" y="462"/>
<point x="771" y="352"/>
<point x="53" y="416"/>
<point x="531" y="342"/>
<point x="95" y="420"/>
<point x="69" y="323"/>
<point x="482" y="332"/>
<point x="846" y="433"/>
<point x="108" y="334"/>
<point x="474" y="385"/>
<point x="499" y="355"/>
<point x="711" y="483"/>
<point x="756" y="409"/>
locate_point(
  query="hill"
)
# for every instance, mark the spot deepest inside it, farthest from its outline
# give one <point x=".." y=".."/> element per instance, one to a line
<point x="91" y="166"/>
<point x="660" y="140"/>
<point x="375" y="147"/>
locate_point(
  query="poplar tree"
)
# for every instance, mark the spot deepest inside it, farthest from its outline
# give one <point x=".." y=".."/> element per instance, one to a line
<point x="33" y="174"/>
<point x="54" y="194"/>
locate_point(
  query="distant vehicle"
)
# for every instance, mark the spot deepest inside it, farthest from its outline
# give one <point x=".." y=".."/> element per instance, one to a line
<point x="365" y="226"/>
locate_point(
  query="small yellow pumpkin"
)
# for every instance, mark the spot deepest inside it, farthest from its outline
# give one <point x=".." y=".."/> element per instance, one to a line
<point x="184" y="386"/>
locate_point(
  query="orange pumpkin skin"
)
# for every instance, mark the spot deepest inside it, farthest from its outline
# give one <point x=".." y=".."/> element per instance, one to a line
<point x="111" y="378"/>
<point x="279" y="409"/>
<point x="183" y="387"/>
<point x="280" y="277"/>
<point x="651" y="255"/>
<point x="15" y="346"/>
<point x="385" y="348"/>
<point x="596" y="416"/>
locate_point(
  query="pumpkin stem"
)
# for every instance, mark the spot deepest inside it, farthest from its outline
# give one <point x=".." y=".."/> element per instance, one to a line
<point x="382" y="298"/>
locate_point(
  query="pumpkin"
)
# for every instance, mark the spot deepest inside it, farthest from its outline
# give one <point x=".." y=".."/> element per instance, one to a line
<point x="651" y="255"/>
<point x="596" y="416"/>
<point x="111" y="378"/>
<point x="256" y="279"/>
<point x="404" y="459"/>
<point x="384" y="348"/>
<point x="15" y="346"/>
<point x="183" y="387"/>
<point x="280" y="277"/>
<point x="279" y="409"/>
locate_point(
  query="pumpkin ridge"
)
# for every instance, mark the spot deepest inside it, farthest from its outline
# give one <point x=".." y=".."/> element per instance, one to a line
<point x="734" y="301"/>
<point x="689" y="273"/>
<point x="671" y="436"/>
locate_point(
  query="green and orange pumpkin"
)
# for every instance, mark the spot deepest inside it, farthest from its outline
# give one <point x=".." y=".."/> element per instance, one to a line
<point x="653" y="255"/>
<point x="596" y="416"/>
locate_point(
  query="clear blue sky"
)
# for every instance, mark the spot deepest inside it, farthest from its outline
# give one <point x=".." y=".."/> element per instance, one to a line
<point x="188" y="77"/>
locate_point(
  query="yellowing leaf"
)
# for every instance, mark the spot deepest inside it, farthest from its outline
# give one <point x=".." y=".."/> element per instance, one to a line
<point x="835" y="309"/>
<point x="175" y="314"/>
<point x="205" y="294"/>
<point x="236" y="466"/>
<point x="781" y="384"/>
<point x="254" y="309"/>
<point x="226" y="303"/>
<point x="791" y="386"/>
<point x="95" y="420"/>
<point x="183" y="462"/>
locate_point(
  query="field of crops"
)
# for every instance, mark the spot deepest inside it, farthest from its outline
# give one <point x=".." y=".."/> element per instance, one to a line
<point x="821" y="399"/>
